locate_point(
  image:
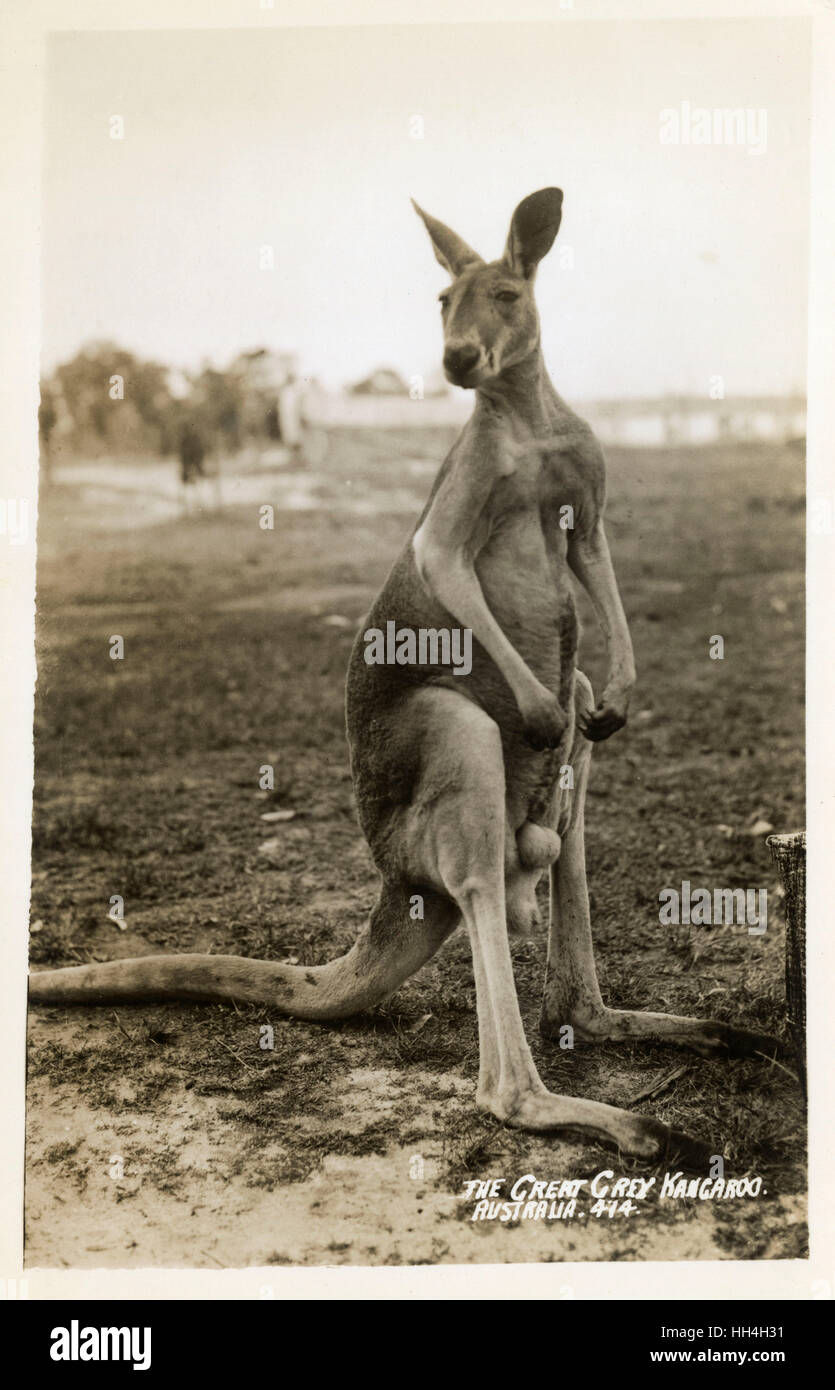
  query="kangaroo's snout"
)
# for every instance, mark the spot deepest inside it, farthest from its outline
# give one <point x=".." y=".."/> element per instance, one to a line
<point x="459" y="362"/>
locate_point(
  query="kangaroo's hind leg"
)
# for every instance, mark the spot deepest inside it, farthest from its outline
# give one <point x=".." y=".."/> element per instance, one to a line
<point x="572" y="994"/>
<point x="455" y="840"/>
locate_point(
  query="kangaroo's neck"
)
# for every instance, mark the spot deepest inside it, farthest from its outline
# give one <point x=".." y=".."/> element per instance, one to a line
<point x="521" y="394"/>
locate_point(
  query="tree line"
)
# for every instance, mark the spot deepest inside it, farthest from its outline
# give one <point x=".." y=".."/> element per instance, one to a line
<point x="107" y="400"/>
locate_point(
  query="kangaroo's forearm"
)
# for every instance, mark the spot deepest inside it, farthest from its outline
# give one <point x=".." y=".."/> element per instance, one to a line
<point x="591" y="562"/>
<point x="451" y="580"/>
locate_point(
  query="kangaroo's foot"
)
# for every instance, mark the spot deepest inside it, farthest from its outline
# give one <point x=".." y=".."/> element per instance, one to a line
<point x="707" y="1036"/>
<point x="531" y="1106"/>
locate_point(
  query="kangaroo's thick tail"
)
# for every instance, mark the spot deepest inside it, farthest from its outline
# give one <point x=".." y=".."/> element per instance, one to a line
<point x="390" y="948"/>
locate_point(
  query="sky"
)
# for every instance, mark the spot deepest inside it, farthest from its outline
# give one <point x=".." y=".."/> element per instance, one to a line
<point x="675" y="262"/>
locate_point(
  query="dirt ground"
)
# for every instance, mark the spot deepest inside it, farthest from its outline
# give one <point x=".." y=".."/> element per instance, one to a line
<point x="172" y="1135"/>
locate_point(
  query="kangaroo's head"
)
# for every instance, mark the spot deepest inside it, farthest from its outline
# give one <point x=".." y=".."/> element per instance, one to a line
<point x="489" y="314"/>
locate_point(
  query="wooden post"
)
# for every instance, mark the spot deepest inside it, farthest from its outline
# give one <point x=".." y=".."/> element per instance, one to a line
<point x="789" y="855"/>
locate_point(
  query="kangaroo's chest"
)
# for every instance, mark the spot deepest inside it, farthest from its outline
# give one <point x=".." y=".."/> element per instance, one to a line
<point x="531" y="514"/>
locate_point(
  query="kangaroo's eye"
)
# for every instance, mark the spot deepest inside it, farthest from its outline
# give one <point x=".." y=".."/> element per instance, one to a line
<point x="507" y="297"/>
<point x="443" y="300"/>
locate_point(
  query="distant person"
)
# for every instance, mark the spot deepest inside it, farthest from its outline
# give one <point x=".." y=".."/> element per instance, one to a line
<point x="192" y="450"/>
<point x="291" y="417"/>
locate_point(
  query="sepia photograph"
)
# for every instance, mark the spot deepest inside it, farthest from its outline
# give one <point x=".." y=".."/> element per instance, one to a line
<point x="418" y="827"/>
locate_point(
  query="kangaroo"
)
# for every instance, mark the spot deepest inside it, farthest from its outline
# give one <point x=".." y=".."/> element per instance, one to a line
<point x="461" y="779"/>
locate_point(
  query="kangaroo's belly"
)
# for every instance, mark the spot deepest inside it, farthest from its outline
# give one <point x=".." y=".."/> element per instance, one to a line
<point x="527" y="589"/>
<point x="526" y="586"/>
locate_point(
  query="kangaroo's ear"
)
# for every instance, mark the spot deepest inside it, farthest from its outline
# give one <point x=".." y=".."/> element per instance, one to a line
<point x="452" y="253"/>
<point x="533" y="227"/>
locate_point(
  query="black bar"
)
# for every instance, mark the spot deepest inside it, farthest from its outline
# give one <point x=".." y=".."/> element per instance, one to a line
<point x="245" y="1337"/>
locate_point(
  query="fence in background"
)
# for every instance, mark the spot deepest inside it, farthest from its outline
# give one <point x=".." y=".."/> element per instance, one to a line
<point x="661" y="422"/>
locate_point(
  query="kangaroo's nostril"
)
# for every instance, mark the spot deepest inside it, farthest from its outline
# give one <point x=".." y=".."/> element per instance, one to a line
<point x="461" y="360"/>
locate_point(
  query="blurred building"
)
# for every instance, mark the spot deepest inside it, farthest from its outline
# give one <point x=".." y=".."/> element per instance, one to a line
<point x="692" y="420"/>
<point x="262" y="375"/>
<point x="385" y="381"/>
